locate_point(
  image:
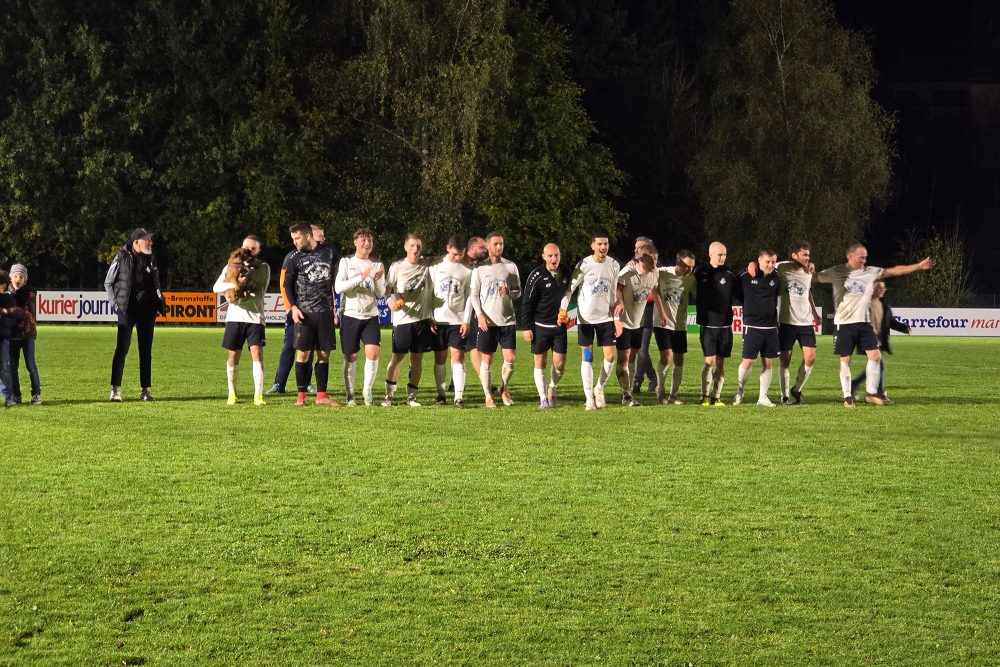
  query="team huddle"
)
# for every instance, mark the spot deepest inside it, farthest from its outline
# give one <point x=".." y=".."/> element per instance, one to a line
<point x="463" y="304"/>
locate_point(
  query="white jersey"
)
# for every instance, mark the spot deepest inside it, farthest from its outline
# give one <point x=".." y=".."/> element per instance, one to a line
<point x="676" y="292"/>
<point x="357" y="294"/>
<point x="794" y="306"/>
<point x="852" y="291"/>
<point x="410" y="283"/>
<point x="486" y="300"/>
<point x="596" y="282"/>
<point x="636" y="290"/>
<point x="250" y="309"/>
<point x="451" y="282"/>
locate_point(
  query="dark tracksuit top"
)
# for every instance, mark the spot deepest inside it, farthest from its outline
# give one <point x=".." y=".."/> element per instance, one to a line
<point x="716" y="287"/>
<point x="543" y="290"/>
<point x="760" y="299"/>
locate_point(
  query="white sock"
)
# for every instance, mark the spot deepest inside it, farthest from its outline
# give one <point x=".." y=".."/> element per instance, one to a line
<point x="439" y="378"/>
<point x="803" y="376"/>
<point x="661" y="376"/>
<point x="232" y="371"/>
<point x="350" y="374"/>
<point x="484" y="377"/>
<point x="784" y="379"/>
<point x="719" y="381"/>
<point x="675" y="385"/>
<point x="606" y="369"/>
<point x="458" y="379"/>
<point x="741" y="379"/>
<point x="765" y="383"/>
<point x="873" y="374"/>
<point x="540" y="383"/>
<point x="258" y="378"/>
<point x="371" y="370"/>
<point x="506" y="372"/>
<point x="707" y="377"/>
<point x="587" y="374"/>
<point x="845" y="378"/>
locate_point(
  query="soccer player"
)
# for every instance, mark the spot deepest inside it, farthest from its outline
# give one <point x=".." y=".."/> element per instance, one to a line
<point x="637" y="281"/>
<point x="495" y="285"/>
<point x="675" y="284"/>
<point x="475" y="253"/>
<point x="596" y="278"/>
<point x="245" y="324"/>
<point x="796" y="319"/>
<point x="308" y="287"/>
<point x="409" y="300"/>
<point x="543" y="291"/>
<point x="761" y="286"/>
<point x="644" y="367"/>
<point x="852" y="295"/>
<point x="360" y="281"/>
<point x="716" y="287"/>
<point x="883" y="323"/>
<point x="451" y="280"/>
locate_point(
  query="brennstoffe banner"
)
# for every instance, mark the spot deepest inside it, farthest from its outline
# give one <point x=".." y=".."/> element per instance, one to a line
<point x="950" y="321"/>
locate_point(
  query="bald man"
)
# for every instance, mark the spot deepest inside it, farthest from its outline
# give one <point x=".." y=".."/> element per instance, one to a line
<point x="543" y="291"/>
<point x="716" y="287"/>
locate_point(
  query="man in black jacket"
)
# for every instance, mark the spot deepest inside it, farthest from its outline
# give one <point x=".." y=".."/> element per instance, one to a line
<point x="884" y="322"/>
<point x="133" y="287"/>
<point x="543" y="291"/>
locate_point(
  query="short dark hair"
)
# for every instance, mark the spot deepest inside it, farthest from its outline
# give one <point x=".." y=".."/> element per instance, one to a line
<point x="800" y="246"/>
<point x="493" y="235"/>
<point x="473" y="242"/>
<point x="301" y="228"/>
<point x="457" y="241"/>
<point x="767" y="252"/>
<point x="599" y="234"/>
<point x="854" y="246"/>
<point x="684" y="254"/>
<point x="4" y="278"/>
<point x="363" y="231"/>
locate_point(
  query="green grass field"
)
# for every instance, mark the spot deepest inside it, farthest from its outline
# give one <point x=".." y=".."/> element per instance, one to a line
<point x="189" y="532"/>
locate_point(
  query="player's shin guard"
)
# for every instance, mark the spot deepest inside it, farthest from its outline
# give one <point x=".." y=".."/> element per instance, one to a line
<point x="458" y="379"/>
<point x="303" y="374"/>
<point x="540" y="383"/>
<point x="624" y="381"/>
<point x="802" y="377"/>
<point x="675" y="384"/>
<point x="371" y="370"/>
<point x="350" y="375"/>
<point x="258" y="378"/>
<point x="555" y="377"/>
<point x="440" y="375"/>
<point x="845" y="378"/>
<point x="322" y="377"/>
<point x="719" y="381"/>
<point x="765" y="382"/>
<point x="784" y="379"/>
<point x="741" y="379"/>
<point x="506" y="373"/>
<point x="484" y="377"/>
<point x="232" y="371"/>
<point x="606" y="369"/>
<point x="873" y="372"/>
<point x="661" y="376"/>
<point x="707" y="377"/>
<point x="587" y="375"/>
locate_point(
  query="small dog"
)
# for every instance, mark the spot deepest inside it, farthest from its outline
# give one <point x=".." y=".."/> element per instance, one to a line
<point x="241" y="266"/>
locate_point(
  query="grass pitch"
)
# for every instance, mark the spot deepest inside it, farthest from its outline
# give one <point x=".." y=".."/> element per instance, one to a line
<point x="189" y="532"/>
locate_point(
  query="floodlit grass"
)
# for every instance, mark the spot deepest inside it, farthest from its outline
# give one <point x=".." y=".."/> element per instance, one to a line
<point x="189" y="532"/>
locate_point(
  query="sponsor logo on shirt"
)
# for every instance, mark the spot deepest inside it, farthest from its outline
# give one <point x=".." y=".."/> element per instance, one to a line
<point x="856" y="287"/>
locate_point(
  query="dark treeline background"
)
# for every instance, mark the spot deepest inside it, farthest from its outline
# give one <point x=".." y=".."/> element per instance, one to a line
<point x="750" y="121"/>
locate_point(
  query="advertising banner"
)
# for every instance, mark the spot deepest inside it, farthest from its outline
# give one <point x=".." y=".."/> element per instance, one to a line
<point x="189" y="308"/>
<point x="950" y="321"/>
<point x="70" y="306"/>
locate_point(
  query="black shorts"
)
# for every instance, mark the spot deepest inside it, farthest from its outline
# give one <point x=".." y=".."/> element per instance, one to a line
<point x="473" y="335"/>
<point x="448" y="336"/>
<point x="354" y="333"/>
<point x="238" y="334"/>
<point x="411" y="337"/>
<point x="487" y="341"/>
<point x="717" y="341"/>
<point x="760" y="342"/>
<point x="605" y="334"/>
<point x="789" y="334"/>
<point x="549" y="338"/>
<point x="315" y="332"/>
<point x="669" y="339"/>
<point x="631" y="339"/>
<point x="855" y="336"/>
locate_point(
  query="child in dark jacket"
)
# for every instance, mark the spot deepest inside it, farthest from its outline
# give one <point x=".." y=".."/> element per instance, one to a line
<point x="10" y="318"/>
<point x="22" y="340"/>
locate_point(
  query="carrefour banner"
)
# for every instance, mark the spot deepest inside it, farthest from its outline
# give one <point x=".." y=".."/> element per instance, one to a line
<point x="950" y="321"/>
